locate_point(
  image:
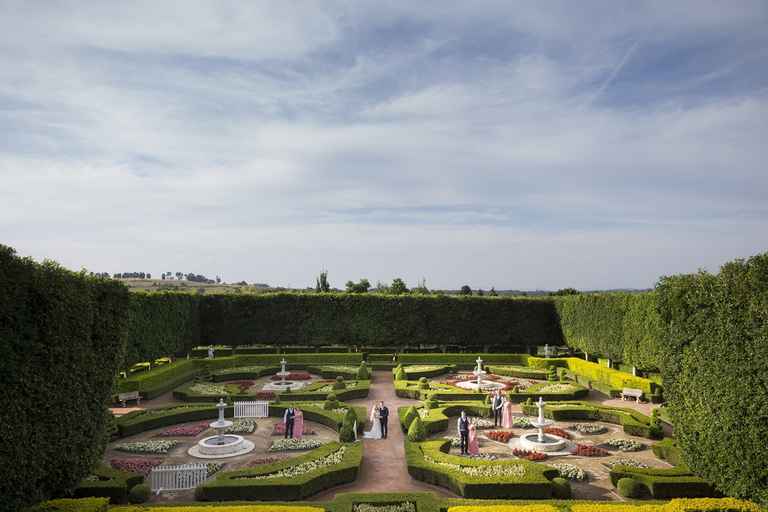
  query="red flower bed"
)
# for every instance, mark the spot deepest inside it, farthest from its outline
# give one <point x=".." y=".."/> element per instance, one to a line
<point x="557" y="432"/>
<point x="279" y="430"/>
<point x="500" y="435"/>
<point x="265" y="395"/>
<point x="140" y="465"/>
<point x="185" y="430"/>
<point x="529" y="455"/>
<point x="244" y="385"/>
<point x="586" y="450"/>
<point x="293" y="376"/>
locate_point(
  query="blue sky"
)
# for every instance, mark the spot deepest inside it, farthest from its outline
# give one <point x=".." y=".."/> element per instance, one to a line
<point x="490" y="143"/>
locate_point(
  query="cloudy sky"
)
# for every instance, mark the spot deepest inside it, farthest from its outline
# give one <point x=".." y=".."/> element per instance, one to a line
<point x="490" y="143"/>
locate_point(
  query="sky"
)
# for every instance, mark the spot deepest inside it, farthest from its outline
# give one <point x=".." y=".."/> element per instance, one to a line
<point x="515" y="145"/>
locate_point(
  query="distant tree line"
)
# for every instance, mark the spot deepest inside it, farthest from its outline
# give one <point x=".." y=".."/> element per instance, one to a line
<point x="132" y="275"/>
<point x="195" y="278"/>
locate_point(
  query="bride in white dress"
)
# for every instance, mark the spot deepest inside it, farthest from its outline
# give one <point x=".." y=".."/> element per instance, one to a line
<point x="375" y="432"/>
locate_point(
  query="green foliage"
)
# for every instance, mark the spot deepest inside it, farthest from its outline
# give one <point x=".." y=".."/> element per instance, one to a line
<point x="322" y="285"/>
<point x="716" y="341"/>
<point x="431" y="404"/>
<point x="622" y="326"/>
<point x="663" y="483"/>
<point x="634" y="423"/>
<point x="361" y="286"/>
<point x="410" y="415"/>
<point x="423" y="383"/>
<point x="346" y="433"/>
<point x="363" y="373"/>
<point x="416" y="431"/>
<point x="629" y="488"/>
<point x="465" y="290"/>
<point x="400" y="373"/>
<point x="108" y="483"/>
<point x="72" y="505"/>
<point x="339" y="384"/>
<point x="62" y="337"/>
<point x="565" y="291"/>
<point x="376" y="320"/>
<point x="561" y="488"/>
<point x="398" y="287"/>
<point x="139" y="494"/>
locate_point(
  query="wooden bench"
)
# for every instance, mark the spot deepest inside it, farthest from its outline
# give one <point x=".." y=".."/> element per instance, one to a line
<point x="628" y="393"/>
<point x="130" y="395"/>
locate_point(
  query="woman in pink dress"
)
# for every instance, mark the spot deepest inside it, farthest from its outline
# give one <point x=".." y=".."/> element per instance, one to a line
<point x="298" y="424"/>
<point x="506" y="413"/>
<point x="474" y="446"/>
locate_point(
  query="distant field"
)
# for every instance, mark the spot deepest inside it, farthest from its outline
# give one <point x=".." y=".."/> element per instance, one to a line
<point x="154" y="285"/>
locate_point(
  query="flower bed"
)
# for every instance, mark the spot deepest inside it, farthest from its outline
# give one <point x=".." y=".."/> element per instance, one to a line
<point x="141" y="465"/>
<point x="623" y="461"/>
<point x="586" y="450"/>
<point x="208" y="388"/>
<point x="500" y="435"/>
<point x="489" y="471"/>
<point x="625" y="445"/>
<point x="558" y="432"/>
<point x="154" y="446"/>
<point x="242" y="426"/>
<point x="185" y="430"/>
<point x="588" y="428"/>
<point x="293" y="376"/>
<point x="405" y="506"/>
<point x="305" y="467"/>
<point x="279" y="429"/>
<point x="482" y="423"/>
<point x="530" y="455"/>
<point x="282" y="445"/>
<point x="262" y="460"/>
<point x="240" y="369"/>
<point x="242" y="386"/>
<point x="570" y="471"/>
<point x="521" y="422"/>
<point x="265" y="395"/>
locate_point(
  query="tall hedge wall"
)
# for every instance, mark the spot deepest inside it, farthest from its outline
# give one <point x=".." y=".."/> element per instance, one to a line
<point x="623" y="326"/>
<point x="716" y="373"/>
<point x="161" y="324"/>
<point x="290" y="318"/>
<point x="62" y="335"/>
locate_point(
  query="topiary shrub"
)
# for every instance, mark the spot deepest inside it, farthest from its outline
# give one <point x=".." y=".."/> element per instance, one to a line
<point x="139" y="494"/>
<point x="552" y="373"/>
<point x="629" y="488"/>
<point x="400" y="374"/>
<point x="423" y="383"/>
<point x="331" y="402"/>
<point x="417" y="432"/>
<point x="339" y="384"/>
<point x="346" y="433"/>
<point x="363" y="373"/>
<point x="561" y="488"/>
<point x="431" y="404"/>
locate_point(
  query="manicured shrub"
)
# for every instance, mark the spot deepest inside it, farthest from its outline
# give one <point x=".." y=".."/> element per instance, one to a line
<point x="561" y="488"/>
<point x="339" y="384"/>
<point x="400" y="373"/>
<point x="629" y="488"/>
<point x="72" y="505"/>
<point x="410" y="415"/>
<point x="423" y="383"/>
<point x="431" y="403"/>
<point x="139" y="494"/>
<point x="363" y="373"/>
<point x="716" y="341"/>
<point x="416" y="431"/>
<point x="62" y="338"/>
<point x="347" y="433"/>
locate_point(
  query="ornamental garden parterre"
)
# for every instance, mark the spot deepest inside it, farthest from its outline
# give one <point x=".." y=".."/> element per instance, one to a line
<point x="600" y="399"/>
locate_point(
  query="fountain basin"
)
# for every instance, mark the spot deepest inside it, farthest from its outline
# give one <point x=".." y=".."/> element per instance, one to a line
<point x="219" y="447"/>
<point x="485" y="385"/>
<point x="282" y="385"/>
<point x="549" y="442"/>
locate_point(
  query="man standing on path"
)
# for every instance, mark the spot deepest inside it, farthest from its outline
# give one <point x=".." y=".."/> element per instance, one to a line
<point x="383" y="418"/>
<point x="497" y="404"/>
<point x="463" y="428"/>
<point x="288" y="419"/>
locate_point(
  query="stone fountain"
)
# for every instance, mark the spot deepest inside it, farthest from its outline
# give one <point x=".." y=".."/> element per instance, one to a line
<point x="479" y="384"/>
<point x="283" y="384"/>
<point x="540" y="441"/>
<point x="221" y="445"/>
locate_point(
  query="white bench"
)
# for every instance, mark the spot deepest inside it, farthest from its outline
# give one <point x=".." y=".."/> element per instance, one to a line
<point x="628" y="393"/>
<point x="130" y="395"/>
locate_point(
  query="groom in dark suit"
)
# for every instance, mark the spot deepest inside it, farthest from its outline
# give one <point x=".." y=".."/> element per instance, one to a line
<point x="383" y="418"/>
<point x="288" y="419"/>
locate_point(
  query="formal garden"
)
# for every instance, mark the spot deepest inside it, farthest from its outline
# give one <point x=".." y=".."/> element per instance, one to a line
<point x="600" y="402"/>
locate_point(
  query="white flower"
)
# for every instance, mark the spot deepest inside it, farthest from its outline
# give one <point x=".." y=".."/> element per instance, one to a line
<point x="588" y="428"/>
<point x="305" y="467"/>
<point x="294" y="444"/>
<point x="490" y="471"/>
<point x="570" y="471"/>
<point x="154" y="446"/>
<point x="242" y="426"/>
<point x="623" y="461"/>
<point x="625" y="445"/>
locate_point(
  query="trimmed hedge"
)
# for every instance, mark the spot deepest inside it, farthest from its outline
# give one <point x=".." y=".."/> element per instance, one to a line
<point x="105" y="482"/>
<point x="521" y="372"/>
<point x="577" y="392"/>
<point x="413" y="373"/>
<point x="664" y="483"/>
<point x="634" y="423"/>
<point x="535" y="483"/>
<point x="437" y="418"/>
<point x="463" y="361"/>
<point x="62" y="338"/>
<point x="288" y="319"/>
<point x="72" y="505"/>
<point x="412" y="389"/>
<point x="161" y="379"/>
<point x="359" y="390"/>
<point x="236" y="485"/>
<point x="716" y="373"/>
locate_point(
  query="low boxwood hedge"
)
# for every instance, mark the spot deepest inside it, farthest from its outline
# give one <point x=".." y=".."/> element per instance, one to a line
<point x="161" y="379"/>
<point x="243" y="372"/>
<point x="415" y="372"/>
<point x="463" y="361"/>
<point x="521" y="372"/>
<point x="633" y="422"/>
<point x="665" y="483"/>
<point x="106" y="482"/>
<point x="429" y="462"/>
<point x="573" y="392"/>
<point x="436" y="420"/>
<point x="438" y="391"/>
<point x="240" y="484"/>
<point x="218" y="351"/>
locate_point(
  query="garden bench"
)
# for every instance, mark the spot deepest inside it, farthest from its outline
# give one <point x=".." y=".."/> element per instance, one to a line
<point x="130" y="395"/>
<point x="628" y="393"/>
